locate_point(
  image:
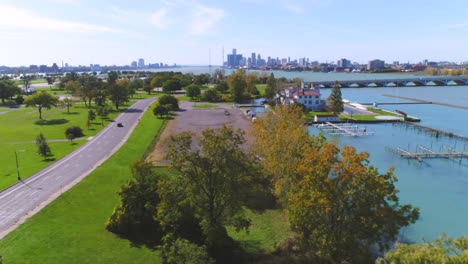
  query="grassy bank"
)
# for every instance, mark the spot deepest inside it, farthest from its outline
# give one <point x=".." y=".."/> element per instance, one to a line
<point x="72" y="228"/>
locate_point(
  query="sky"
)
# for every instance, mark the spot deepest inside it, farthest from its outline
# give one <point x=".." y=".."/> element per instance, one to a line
<point x="190" y="32"/>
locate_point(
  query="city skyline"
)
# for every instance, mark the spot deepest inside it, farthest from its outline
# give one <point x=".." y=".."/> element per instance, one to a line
<point x="83" y="32"/>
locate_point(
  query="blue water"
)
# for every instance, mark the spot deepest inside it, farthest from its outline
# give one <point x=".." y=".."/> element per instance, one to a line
<point x="439" y="187"/>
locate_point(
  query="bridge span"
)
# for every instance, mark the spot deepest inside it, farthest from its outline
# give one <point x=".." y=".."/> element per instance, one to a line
<point x="401" y="82"/>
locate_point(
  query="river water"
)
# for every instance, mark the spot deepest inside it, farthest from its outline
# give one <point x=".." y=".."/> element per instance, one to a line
<point x="439" y="187"/>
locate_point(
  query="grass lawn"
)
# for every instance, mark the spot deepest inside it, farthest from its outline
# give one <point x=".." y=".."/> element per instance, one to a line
<point x="72" y="228"/>
<point x="204" y="106"/>
<point x="381" y="112"/>
<point x="267" y="230"/>
<point x="359" y="117"/>
<point x="261" y="88"/>
<point x="21" y="128"/>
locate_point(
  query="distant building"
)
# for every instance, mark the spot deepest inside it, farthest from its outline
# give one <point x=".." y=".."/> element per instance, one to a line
<point x="254" y="59"/>
<point x="43" y="68"/>
<point x="33" y="68"/>
<point x="141" y="63"/>
<point x="133" y="64"/>
<point x="55" y="67"/>
<point x="343" y="63"/>
<point x="375" y="65"/>
<point x="234" y="60"/>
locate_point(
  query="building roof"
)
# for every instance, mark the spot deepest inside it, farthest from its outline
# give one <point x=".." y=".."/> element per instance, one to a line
<point x="306" y="92"/>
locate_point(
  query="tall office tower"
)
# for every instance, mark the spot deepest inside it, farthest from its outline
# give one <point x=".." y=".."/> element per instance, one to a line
<point x="141" y="62"/>
<point x="234" y="51"/>
<point x="254" y="59"/>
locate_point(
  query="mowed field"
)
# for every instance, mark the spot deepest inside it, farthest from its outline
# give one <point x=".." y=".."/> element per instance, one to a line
<point x="21" y="126"/>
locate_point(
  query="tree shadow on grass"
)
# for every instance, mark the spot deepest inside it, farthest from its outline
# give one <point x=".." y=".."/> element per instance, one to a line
<point x="71" y="113"/>
<point x="51" y="122"/>
<point x="49" y="159"/>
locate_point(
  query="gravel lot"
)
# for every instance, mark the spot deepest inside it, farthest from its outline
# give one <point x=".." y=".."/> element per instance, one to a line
<point x="197" y="120"/>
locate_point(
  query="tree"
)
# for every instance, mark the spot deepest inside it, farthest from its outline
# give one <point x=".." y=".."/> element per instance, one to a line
<point x="75" y="131"/>
<point x="443" y="250"/>
<point x="192" y="90"/>
<point x="41" y="100"/>
<point x="103" y="112"/>
<point x="341" y="206"/>
<point x="210" y="95"/>
<point x="337" y="203"/>
<point x="91" y="115"/>
<point x="251" y="82"/>
<point x="237" y="85"/>
<point x="179" y="250"/>
<point x="119" y="92"/>
<point x="27" y="80"/>
<point x="201" y="79"/>
<point x="134" y="217"/>
<point x="157" y="81"/>
<point x="216" y="177"/>
<point x="334" y="101"/>
<point x="50" y="80"/>
<point x="171" y="85"/>
<point x="222" y="87"/>
<point x="43" y="148"/>
<point x="169" y="99"/>
<point x="271" y="86"/>
<point x="67" y="102"/>
<point x="160" y="110"/>
<point x="8" y="88"/>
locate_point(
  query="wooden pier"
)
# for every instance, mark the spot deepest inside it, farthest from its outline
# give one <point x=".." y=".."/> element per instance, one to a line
<point x="434" y="131"/>
<point x="346" y="129"/>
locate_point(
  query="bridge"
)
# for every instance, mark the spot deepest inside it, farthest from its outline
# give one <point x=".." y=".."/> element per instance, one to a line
<point x="401" y="82"/>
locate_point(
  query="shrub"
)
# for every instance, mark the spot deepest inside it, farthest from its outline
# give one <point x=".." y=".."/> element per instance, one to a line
<point x="169" y="99"/>
<point x="75" y="131"/>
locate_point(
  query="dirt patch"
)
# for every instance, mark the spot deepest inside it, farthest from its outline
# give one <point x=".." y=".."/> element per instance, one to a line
<point x="197" y="120"/>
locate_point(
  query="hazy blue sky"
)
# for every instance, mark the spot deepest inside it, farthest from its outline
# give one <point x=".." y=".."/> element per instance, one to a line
<point x="183" y="31"/>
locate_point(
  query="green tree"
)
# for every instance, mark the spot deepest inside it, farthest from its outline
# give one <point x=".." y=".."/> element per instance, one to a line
<point x="171" y="85"/>
<point x="334" y="101"/>
<point x="157" y="81"/>
<point x="8" y="88"/>
<point x="210" y="95"/>
<point x="27" y="80"/>
<point x="442" y="250"/>
<point x="216" y="177"/>
<point x="119" y="92"/>
<point x="50" y="80"/>
<point x="43" y="148"/>
<point x="160" y="110"/>
<point x="75" y="131"/>
<point x="251" y="80"/>
<point x="179" y="250"/>
<point x="237" y="85"/>
<point x="41" y="100"/>
<point x="169" y="99"/>
<point x="201" y="79"/>
<point x="192" y="90"/>
<point x="67" y="102"/>
<point x="222" y="87"/>
<point x="134" y="217"/>
<point x="271" y="86"/>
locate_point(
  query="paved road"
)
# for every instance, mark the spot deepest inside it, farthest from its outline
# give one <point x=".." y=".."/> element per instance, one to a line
<point x="25" y="198"/>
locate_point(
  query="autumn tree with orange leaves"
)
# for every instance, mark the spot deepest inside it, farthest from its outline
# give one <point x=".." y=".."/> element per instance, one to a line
<point x="337" y="203"/>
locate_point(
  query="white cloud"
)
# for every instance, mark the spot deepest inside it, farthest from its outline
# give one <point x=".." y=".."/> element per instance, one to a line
<point x="160" y="19"/>
<point x="204" y="18"/>
<point x="13" y="17"/>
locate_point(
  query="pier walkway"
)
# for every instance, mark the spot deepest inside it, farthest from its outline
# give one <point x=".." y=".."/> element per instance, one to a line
<point x="426" y="102"/>
<point x="398" y="82"/>
<point x="344" y="129"/>
<point x="434" y="131"/>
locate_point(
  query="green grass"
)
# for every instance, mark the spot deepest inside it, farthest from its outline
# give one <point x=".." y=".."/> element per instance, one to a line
<point x="38" y="80"/>
<point x="204" y="106"/>
<point x="359" y="117"/>
<point x="72" y="228"/>
<point x="19" y="132"/>
<point x="267" y="230"/>
<point x="261" y="88"/>
<point x="381" y="112"/>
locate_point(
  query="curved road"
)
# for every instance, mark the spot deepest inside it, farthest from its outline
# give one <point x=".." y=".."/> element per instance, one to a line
<point x="27" y="197"/>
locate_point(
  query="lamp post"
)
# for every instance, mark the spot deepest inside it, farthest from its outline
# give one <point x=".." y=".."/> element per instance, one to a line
<point x="17" y="165"/>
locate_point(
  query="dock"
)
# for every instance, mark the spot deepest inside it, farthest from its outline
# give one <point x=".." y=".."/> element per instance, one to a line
<point x="345" y="129"/>
<point x="428" y="153"/>
<point x="434" y="131"/>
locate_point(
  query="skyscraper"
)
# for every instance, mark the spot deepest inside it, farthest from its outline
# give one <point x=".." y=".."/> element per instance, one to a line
<point x="254" y="59"/>
<point x="141" y="62"/>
